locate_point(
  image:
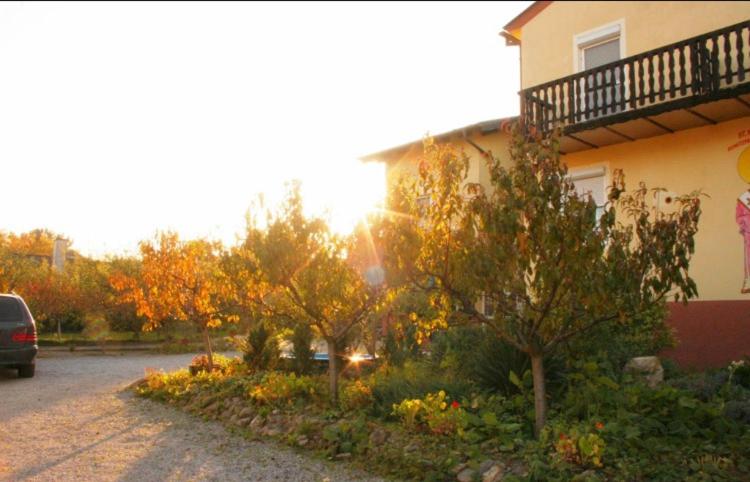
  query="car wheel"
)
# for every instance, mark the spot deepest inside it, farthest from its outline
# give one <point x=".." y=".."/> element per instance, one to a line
<point x="26" y="371"/>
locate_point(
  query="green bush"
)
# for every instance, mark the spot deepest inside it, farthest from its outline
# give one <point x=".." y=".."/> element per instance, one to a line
<point x="478" y="355"/>
<point x="302" y="338"/>
<point x="400" y="346"/>
<point x="391" y="385"/>
<point x="647" y="335"/>
<point x="435" y="412"/>
<point x="356" y="395"/>
<point x="261" y="350"/>
<point x="279" y="389"/>
<point x="741" y="372"/>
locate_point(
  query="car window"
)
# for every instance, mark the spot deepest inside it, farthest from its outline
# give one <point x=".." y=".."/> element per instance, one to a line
<point x="10" y="309"/>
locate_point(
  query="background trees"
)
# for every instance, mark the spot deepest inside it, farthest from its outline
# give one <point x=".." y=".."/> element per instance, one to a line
<point x="180" y="280"/>
<point x="535" y="248"/>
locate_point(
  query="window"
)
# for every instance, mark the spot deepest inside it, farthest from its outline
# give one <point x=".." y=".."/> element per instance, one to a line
<point x="591" y="182"/>
<point x="593" y="49"/>
<point x="10" y="309"/>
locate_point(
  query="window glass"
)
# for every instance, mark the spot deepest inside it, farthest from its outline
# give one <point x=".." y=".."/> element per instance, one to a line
<point x="9" y="309"/>
<point x="600" y="54"/>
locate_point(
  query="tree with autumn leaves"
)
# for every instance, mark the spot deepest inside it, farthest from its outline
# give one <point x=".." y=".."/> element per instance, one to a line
<point x="180" y="281"/>
<point x="553" y="267"/>
<point x="296" y="269"/>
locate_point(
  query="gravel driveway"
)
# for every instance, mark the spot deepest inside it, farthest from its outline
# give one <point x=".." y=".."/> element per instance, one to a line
<point x="73" y="422"/>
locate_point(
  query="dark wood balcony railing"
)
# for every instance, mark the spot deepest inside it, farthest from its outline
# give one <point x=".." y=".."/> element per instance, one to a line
<point x="708" y="67"/>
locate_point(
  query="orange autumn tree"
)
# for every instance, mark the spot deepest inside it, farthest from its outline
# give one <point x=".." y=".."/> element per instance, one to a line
<point x="179" y="281"/>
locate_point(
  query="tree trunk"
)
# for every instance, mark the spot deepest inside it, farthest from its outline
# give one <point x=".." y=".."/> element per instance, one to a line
<point x="540" y="395"/>
<point x="333" y="372"/>
<point x="209" y="351"/>
<point x="59" y="330"/>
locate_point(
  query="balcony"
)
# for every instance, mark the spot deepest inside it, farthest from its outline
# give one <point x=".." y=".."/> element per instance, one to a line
<point x="699" y="81"/>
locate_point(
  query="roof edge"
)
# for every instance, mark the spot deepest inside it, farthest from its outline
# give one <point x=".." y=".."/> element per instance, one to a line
<point x="484" y="127"/>
<point x="526" y="16"/>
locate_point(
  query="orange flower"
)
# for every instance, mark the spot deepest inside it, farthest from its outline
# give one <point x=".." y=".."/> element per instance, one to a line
<point x="599" y="426"/>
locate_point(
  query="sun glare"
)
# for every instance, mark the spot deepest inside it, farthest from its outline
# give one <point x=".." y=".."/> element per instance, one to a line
<point x="347" y="195"/>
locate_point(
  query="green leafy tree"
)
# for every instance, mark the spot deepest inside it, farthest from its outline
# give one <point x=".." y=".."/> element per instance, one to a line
<point x="295" y="269"/>
<point x="536" y="248"/>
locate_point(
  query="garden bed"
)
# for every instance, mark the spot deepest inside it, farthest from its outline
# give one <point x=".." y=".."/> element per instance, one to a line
<point x="599" y="429"/>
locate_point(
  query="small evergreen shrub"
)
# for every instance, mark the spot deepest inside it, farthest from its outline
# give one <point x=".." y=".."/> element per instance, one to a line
<point x="261" y="349"/>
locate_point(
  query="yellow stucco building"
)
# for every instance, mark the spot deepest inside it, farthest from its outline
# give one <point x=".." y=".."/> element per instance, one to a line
<point x="660" y="90"/>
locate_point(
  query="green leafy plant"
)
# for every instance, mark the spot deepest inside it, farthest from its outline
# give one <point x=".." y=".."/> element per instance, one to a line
<point x="583" y="449"/>
<point x="356" y="395"/>
<point x="280" y="389"/>
<point x="435" y="412"/>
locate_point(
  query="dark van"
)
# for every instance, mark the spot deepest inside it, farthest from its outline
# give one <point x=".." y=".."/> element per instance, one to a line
<point x="18" y="346"/>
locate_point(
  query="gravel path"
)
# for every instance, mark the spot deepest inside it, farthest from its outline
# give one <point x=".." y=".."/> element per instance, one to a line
<point x="72" y="421"/>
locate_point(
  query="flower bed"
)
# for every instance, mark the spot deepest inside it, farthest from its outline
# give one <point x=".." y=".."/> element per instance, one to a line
<point x="599" y="428"/>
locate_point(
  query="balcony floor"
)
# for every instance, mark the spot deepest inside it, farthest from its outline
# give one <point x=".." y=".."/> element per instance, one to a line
<point x="658" y="124"/>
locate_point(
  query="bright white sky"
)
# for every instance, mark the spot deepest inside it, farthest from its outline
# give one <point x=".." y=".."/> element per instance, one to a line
<point x="120" y="119"/>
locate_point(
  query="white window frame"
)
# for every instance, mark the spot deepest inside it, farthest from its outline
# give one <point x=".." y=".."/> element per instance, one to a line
<point x="598" y="35"/>
<point x="595" y="36"/>
<point x="593" y="170"/>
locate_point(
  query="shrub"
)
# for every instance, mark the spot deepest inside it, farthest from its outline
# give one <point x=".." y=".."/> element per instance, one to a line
<point x="479" y="355"/>
<point x="738" y="410"/>
<point x="285" y="389"/>
<point x="356" y="396"/>
<point x="391" y="385"/>
<point x="434" y="412"/>
<point x="580" y="445"/>
<point x="400" y="345"/>
<point x="740" y="372"/>
<point x="261" y="350"/>
<point x="222" y="363"/>
<point x="346" y="436"/>
<point x="302" y="339"/>
<point x="647" y="335"/>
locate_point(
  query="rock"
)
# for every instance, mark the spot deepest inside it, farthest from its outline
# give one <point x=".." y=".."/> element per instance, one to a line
<point x="466" y="475"/>
<point x="485" y="466"/>
<point x="518" y="468"/>
<point x="647" y="367"/>
<point x="257" y="423"/>
<point x="493" y="474"/>
<point x="246" y="412"/>
<point x="302" y="440"/>
<point x="458" y="468"/>
<point x="344" y="456"/>
<point x="378" y="437"/>
<point x="244" y="422"/>
<point x="213" y="408"/>
<point x="412" y="447"/>
<point x="271" y="431"/>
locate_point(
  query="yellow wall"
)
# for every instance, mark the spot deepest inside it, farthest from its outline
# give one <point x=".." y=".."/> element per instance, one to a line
<point x="693" y="159"/>
<point x="547" y="51"/>
<point x="497" y="143"/>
